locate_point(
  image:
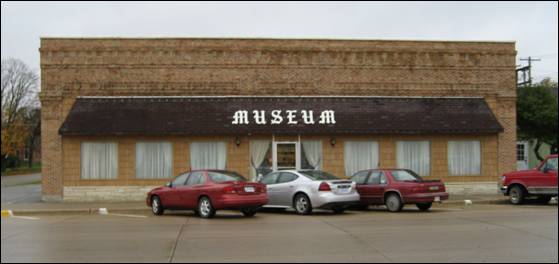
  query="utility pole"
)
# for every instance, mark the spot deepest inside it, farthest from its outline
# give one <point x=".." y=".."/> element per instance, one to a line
<point x="526" y="68"/>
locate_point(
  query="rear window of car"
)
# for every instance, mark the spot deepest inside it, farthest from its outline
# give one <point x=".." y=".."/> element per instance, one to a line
<point x="225" y="176"/>
<point x="405" y="175"/>
<point x="319" y="175"/>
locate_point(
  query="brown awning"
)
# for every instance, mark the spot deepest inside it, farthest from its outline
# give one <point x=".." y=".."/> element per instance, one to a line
<point x="96" y="116"/>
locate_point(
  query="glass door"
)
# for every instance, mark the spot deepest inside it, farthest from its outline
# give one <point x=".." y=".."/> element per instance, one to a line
<point x="286" y="156"/>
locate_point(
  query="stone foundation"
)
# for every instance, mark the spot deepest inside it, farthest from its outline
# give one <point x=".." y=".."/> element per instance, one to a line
<point x="106" y="193"/>
<point x="472" y="188"/>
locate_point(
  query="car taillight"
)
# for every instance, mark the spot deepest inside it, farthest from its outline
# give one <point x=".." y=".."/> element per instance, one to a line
<point x="324" y="187"/>
<point x="229" y="189"/>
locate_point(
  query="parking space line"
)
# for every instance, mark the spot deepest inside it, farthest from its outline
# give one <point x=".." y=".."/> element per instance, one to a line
<point x="26" y="217"/>
<point x="128" y="215"/>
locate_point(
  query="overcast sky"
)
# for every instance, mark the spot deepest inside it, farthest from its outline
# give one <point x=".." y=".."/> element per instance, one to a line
<point x="533" y="25"/>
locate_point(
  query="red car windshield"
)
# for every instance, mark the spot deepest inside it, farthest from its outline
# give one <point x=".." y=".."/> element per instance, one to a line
<point x="405" y="176"/>
<point x="225" y="176"/>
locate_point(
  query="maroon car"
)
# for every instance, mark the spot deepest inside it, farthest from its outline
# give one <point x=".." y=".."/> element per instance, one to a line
<point x="206" y="191"/>
<point x="396" y="187"/>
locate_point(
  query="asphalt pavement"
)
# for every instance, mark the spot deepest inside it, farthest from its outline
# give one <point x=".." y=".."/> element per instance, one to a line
<point x="479" y="233"/>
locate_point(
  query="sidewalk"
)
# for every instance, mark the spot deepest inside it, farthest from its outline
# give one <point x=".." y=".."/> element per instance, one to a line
<point x="89" y="208"/>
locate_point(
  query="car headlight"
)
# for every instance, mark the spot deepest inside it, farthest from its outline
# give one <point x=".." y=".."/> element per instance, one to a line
<point x="503" y="178"/>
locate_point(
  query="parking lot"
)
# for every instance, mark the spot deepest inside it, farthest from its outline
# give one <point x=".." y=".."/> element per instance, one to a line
<point x="480" y="233"/>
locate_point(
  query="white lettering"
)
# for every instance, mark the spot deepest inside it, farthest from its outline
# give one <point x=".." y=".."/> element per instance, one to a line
<point x="291" y="117"/>
<point x="308" y="117"/>
<point x="327" y="117"/>
<point x="277" y="119"/>
<point x="260" y="117"/>
<point x="240" y="117"/>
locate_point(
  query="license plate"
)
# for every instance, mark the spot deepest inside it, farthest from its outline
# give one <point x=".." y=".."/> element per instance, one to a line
<point x="437" y="199"/>
<point x="249" y="189"/>
<point x="344" y="190"/>
<point x="434" y="188"/>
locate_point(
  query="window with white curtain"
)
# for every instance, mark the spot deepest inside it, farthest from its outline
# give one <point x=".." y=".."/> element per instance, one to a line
<point x="464" y="158"/>
<point x="311" y="157"/>
<point x="360" y="155"/>
<point x="154" y="160"/>
<point x="208" y="155"/>
<point x="415" y="156"/>
<point x="99" y="160"/>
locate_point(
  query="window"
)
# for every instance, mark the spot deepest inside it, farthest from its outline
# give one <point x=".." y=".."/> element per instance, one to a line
<point x="415" y="156"/>
<point x="99" y="161"/>
<point x="196" y="178"/>
<point x="464" y="158"/>
<point x="377" y="178"/>
<point x="311" y="157"/>
<point x="551" y="164"/>
<point x="180" y="180"/>
<point x="520" y="151"/>
<point x="317" y="175"/>
<point x="360" y="155"/>
<point x="405" y="175"/>
<point x="225" y="176"/>
<point x="360" y="177"/>
<point x="208" y="155"/>
<point x="271" y="178"/>
<point x="260" y="158"/>
<point x="287" y="177"/>
<point x="154" y="160"/>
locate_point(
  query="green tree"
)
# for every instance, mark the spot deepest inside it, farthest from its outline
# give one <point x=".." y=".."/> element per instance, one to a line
<point x="537" y="115"/>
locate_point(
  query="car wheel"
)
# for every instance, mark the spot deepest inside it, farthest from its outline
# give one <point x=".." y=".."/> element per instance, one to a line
<point x="156" y="206"/>
<point x="516" y="195"/>
<point x="248" y="212"/>
<point x="338" y="210"/>
<point x="393" y="203"/>
<point x="424" y="206"/>
<point x="205" y="208"/>
<point x="302" y="204"/>
<point x="544" y="199"/>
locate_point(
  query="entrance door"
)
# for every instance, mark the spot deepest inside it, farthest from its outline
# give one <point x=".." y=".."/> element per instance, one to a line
<point x="286" y="156"/>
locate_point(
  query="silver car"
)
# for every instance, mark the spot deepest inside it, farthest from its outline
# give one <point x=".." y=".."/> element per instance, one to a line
<point x="305" y="190"/>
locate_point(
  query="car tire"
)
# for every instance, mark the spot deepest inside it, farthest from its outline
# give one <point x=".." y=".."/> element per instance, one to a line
<point x="516" y="195"/>
<point x="302" y="204"/>
<point x="394" y="203"/>
<point x="338" y="210"/>
<point x="424" y="207"/>
<point x="205" y="208"/>
<point x="156" y="206"/>
<point x="543" y="199"/>
<point x="249" y="212"/>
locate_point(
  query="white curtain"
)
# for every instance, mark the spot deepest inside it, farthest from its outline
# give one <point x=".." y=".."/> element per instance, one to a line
<point x="464" y="158"/>
<point x="154" y="160"/>
<point x="414" y="155"/>
<point x="258" y="151"/>
<point x="99" y="160"/>
<point x="313" y="153"/>
<point x="208" y="155"/>
<point x="360" y="155"/>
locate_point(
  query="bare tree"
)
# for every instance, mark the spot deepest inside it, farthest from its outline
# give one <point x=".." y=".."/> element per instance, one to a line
<point x="19" y="93"/>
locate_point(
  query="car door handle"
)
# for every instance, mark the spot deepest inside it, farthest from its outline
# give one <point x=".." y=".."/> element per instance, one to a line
<point x="291" y="186"/>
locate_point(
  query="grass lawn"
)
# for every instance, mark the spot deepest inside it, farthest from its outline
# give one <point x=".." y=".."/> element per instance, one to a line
<point x="24" y="169"/>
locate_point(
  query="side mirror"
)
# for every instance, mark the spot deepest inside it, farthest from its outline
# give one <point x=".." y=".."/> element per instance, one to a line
<point x="169" y="184"/>
<point x="546" y="169"/>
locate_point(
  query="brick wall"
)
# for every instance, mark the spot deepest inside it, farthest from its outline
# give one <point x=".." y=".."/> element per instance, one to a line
<point x="98" y="66"/>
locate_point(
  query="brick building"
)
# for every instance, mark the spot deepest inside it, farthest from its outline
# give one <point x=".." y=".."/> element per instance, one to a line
<point x="123" y="115"/>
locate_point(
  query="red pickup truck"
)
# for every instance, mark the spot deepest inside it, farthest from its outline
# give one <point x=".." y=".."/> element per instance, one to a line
<point x="540" y="182"/>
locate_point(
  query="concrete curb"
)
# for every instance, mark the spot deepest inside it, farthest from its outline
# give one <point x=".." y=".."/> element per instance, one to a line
<point x="76" y="211"/>
<point x="95" y="210"/>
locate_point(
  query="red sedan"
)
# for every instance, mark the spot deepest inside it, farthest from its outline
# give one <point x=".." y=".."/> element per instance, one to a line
<point x="206" y="191"/>
<point x="396" y="187"/>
